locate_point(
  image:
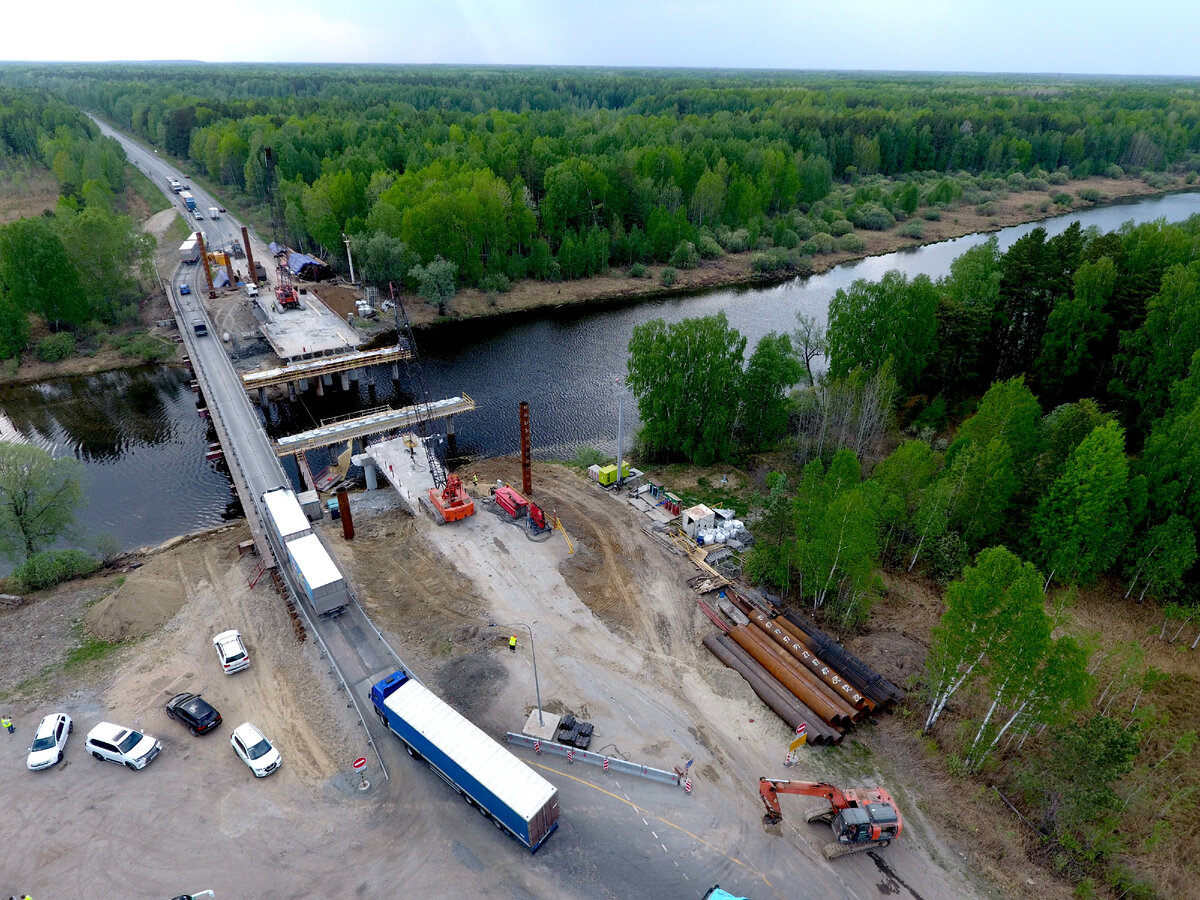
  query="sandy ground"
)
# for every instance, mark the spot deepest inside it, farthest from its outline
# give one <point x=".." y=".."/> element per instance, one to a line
<point x="617" y="637"/>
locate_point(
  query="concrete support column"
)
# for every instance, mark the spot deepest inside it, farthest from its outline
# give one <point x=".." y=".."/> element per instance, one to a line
<point x="345" y="381"/>
<point x="395" y="371"/>
<point x="262" y="397"/>
<point x="302" y="385"/>
<point x="320" y="382"/>
<point x="353" y="373"/>
<point x="292" y="391"/>
<point x="449" y="426"/>
<point x="370" y="475"/>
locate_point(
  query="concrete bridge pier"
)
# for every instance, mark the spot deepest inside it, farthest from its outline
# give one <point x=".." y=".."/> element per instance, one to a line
<point x="262" y="397"/>
<point x="302" y="385"/>
<point x="395" y="371"/>
<point x="450" y="427"/>
<point x="345" y="381"/>
<point x="292" y="391"/>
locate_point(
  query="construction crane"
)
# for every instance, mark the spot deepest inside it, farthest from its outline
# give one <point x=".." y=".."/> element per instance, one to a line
<point x="447" y="500"/>
<point x="286" y="296"/>
<point x="862" y="819"/>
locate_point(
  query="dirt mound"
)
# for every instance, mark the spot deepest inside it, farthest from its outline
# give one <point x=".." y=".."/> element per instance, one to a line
<point x="147" y="599"/>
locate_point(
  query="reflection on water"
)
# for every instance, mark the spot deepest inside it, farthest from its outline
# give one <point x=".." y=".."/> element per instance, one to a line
<point x="566" y="362"/>
<point x="140" y="443"/>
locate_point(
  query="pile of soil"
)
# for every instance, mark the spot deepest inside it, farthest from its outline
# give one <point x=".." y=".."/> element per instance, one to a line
<point x="140" y="605"/>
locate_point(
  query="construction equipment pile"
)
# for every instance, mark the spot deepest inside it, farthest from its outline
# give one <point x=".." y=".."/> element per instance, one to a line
<point x="799" y="671"/>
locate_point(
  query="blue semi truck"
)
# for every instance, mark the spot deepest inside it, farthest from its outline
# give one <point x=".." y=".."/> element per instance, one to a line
<point x="505" y="790"/>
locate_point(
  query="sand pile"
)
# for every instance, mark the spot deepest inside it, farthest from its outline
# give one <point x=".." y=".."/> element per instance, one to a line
<point x="149" y="597"/>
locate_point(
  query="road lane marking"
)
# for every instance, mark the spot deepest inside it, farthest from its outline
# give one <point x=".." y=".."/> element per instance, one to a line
<point x="667" y="822"/>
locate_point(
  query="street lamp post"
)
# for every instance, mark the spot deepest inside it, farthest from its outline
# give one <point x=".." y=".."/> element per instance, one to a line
<point x="533" y="650"/>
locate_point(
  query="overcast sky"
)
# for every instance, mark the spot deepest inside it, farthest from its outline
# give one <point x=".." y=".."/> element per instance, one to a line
<point x="1133" y="37"/>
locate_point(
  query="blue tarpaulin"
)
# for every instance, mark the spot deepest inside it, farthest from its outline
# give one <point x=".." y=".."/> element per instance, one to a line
<point x="297" y="261"/>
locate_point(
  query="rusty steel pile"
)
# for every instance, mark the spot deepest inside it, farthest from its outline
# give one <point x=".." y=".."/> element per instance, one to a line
<point x="798" y="670"/>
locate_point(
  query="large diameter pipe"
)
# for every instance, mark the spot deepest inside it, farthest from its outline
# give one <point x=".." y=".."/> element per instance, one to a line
<point x="846" y="712"/>
<point x="826" y="733"/>
<point x="750" y="640"/>
<point x="813" y="664"/>
<point x="875" y="686"/>
<point x="779" y="701"/>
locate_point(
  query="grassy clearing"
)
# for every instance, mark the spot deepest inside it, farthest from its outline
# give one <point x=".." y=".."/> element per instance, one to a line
<point x="151" y="196"/>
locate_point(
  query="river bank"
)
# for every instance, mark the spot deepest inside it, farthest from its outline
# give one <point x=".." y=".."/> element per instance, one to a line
<point x="530" y="296"/>
<point x="734" y="269"/>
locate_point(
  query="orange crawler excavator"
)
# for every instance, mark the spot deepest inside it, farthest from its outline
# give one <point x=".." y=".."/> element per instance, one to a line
<point x="862" y="819"/>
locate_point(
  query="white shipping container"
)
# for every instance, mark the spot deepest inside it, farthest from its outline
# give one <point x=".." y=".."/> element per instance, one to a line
<point x="318" y="574"/>
<point x="287" y="517"/>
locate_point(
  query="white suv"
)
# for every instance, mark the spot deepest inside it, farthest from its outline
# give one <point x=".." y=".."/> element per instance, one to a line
<point x="255" y="750"/>
<point x="231" y="651"/>
<point x="122" y="745"/>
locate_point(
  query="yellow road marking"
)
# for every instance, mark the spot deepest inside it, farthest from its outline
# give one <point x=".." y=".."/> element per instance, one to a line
<point x="668" y="823"/>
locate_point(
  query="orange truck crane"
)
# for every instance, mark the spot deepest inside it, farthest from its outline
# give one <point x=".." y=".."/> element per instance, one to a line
<point x="452" y="502"/>
<point x="862" y="819"/>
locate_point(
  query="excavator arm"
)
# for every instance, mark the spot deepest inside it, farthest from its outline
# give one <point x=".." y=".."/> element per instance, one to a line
<point x="769" y="790"/>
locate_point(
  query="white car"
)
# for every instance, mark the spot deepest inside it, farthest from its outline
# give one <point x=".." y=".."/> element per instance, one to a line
<point x="255" y="750"/>
<point x="231" y="651"/>
<point x="121" y="745"/>
<point x="50" y="741"/>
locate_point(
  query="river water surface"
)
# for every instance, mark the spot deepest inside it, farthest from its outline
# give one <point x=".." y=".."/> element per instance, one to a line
<point x="141" y="443"/>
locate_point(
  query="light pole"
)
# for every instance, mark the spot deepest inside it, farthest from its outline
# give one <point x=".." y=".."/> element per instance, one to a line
<point x="346" y="241"/>
<point x="532" y="650"/>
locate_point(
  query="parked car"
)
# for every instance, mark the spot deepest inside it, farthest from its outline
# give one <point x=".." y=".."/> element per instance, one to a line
<point x="193" y="711"/>
<point x="185" y="289"/>
<point x="122" y="745"/>
<point x="255" y="750"/>
<point x="49" y="741"/>
<point x="231" y="651"/>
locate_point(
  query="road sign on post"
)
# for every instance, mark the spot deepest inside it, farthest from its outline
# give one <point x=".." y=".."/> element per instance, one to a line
<point x="360" y="763"/>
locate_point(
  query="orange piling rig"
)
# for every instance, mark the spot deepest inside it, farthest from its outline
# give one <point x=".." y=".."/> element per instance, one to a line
<point x="452" y="502"/>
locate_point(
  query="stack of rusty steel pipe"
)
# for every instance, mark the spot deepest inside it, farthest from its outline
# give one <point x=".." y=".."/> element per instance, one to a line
<point x="881" y="692"/>
<point x="783" y="703"/>
<point x="797" y="670"/>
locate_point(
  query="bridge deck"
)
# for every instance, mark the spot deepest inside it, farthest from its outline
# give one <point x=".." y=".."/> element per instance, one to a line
<point x="371" y="423"/>
<point x="326" y="365"/>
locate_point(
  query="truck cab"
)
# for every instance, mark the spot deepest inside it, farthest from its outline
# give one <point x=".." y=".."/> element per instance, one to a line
<point x="199" y="326"/>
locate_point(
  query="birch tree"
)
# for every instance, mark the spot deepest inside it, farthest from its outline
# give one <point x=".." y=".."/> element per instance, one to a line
<point x="1161" y="558"/>
<point x="980" y="611"/>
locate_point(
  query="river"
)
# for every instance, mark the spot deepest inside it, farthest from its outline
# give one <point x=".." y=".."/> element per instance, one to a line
<point x="141" y="444"/>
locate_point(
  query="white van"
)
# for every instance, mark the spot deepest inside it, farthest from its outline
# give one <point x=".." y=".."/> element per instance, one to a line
<point x="251" y="289"/>
<point x="214" y="212"/>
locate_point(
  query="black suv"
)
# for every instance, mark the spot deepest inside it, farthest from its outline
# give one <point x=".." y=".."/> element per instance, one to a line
<point x="193" y="711"/>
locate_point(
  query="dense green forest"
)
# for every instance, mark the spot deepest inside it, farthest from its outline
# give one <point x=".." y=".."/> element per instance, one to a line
<point x="1024" y="428"/>
<point x="562" y="173"/>
<point x="76" y="267"/>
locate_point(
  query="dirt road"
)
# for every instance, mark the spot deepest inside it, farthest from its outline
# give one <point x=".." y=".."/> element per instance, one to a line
<point x="617" y="640"/>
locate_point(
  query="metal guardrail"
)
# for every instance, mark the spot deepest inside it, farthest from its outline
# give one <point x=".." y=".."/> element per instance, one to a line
<point x="615" y="764"/>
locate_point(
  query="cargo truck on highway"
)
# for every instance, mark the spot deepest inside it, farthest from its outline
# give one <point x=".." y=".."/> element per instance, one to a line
<point x="505" y="790"/>
<point x="189" y="250"/>
<point x="188" y="200"/>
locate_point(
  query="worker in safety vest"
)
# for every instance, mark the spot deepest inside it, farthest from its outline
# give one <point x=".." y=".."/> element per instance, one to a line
<point x="6" y="722"/>
<point x="512" y="643"/>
